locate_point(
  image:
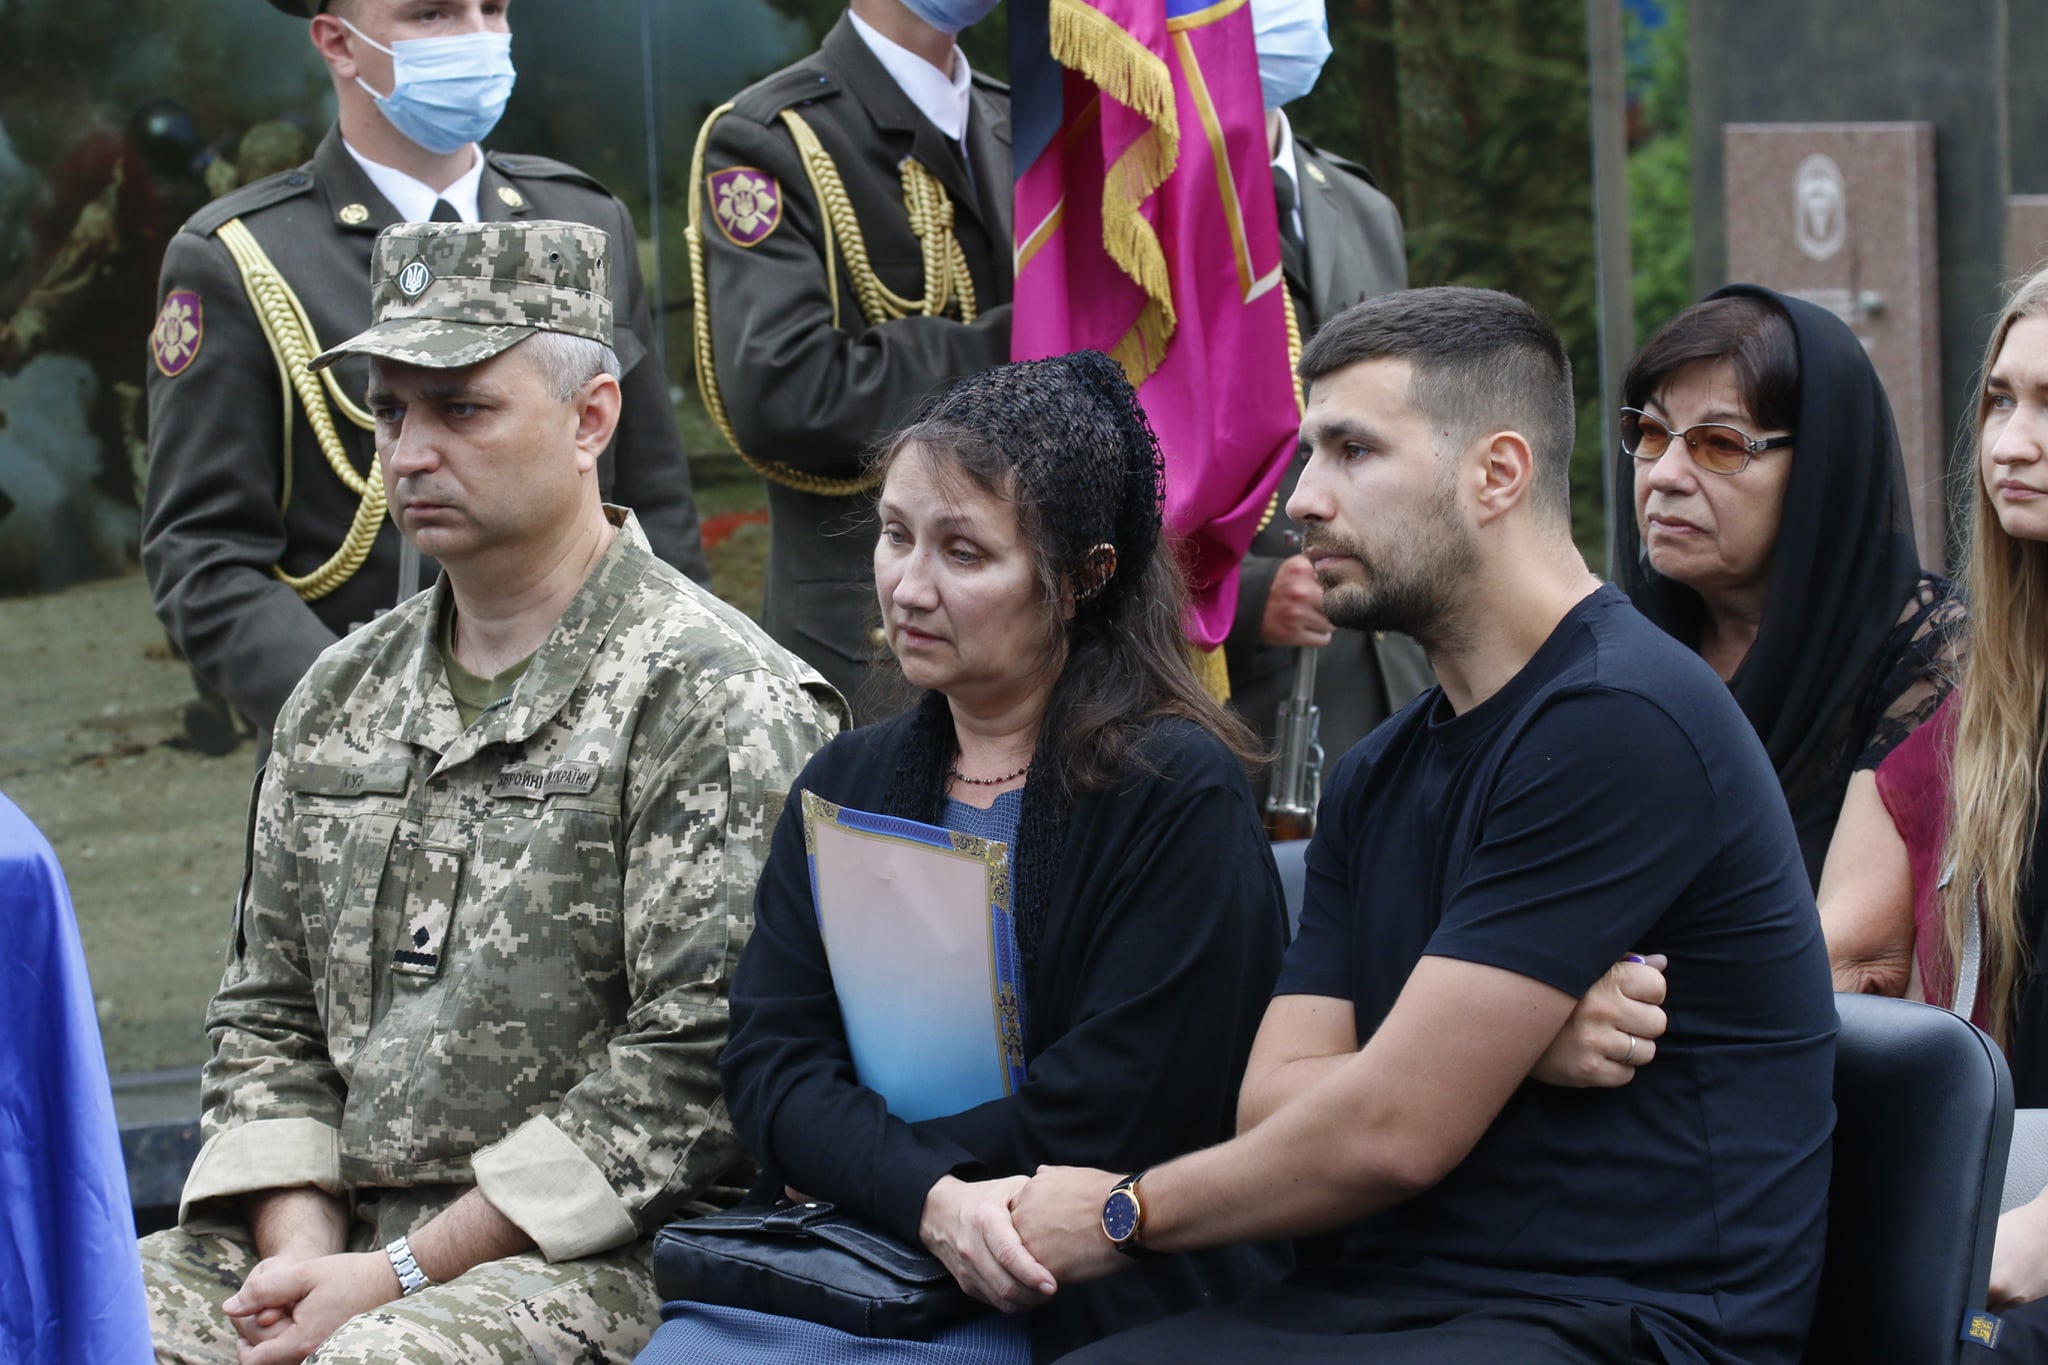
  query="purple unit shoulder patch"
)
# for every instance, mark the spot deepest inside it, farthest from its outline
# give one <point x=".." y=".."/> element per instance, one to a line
<point x="747" y="204"/>
<point x="174" y="341"/>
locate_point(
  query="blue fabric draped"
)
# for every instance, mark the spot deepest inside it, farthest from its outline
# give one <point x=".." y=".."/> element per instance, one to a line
<point x="70" y="1274"/>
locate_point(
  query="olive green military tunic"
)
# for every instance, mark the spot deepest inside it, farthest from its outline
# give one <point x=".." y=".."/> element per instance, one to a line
<point x="808" y="380"/>
<point x="233" y="493"/>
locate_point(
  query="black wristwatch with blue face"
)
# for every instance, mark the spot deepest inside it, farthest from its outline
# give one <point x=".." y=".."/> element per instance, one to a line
<point x="1123" y="1217"/>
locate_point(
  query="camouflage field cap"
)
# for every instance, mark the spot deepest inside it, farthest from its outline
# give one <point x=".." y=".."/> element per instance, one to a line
<point x="445" y="295"/>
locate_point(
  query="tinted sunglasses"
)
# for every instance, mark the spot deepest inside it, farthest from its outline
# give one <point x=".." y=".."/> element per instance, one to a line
<point x="1714" y="446"/>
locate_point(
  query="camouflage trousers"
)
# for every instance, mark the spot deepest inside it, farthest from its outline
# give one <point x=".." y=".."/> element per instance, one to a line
<point x="591" y="1311"/>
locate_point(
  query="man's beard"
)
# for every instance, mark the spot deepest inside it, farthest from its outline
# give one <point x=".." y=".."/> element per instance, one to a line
<point x="1412" y="591"/>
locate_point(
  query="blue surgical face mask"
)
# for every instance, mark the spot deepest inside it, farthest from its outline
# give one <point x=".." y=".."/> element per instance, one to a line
<point x="445" y="92"/>
<point x="950" y="16"/>
<point x="1293" y="39"/>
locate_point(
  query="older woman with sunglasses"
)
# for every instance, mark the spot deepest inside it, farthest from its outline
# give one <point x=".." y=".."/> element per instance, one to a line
<point x="1772" y="534"/>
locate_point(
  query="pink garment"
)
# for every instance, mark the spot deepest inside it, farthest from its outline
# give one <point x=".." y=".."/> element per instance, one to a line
<point x="1913" y="783"/>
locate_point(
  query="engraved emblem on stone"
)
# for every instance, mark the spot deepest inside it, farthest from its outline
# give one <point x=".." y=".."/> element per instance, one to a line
<point x="353" y="215"/>
<point x="1820" y="211"/>
<point x="414" y="279"/>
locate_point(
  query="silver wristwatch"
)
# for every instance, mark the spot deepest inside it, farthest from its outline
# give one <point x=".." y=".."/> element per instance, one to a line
<point x="411" y="1279"/>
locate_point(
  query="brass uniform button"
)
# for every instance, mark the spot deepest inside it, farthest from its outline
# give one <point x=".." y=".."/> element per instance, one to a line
<point x="353" y="215"/>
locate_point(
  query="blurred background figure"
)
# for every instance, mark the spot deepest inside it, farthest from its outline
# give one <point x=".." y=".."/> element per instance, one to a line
<point x="71" y="429"/>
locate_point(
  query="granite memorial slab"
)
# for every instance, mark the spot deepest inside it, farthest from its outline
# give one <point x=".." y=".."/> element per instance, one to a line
<point x="1843" y="215"/>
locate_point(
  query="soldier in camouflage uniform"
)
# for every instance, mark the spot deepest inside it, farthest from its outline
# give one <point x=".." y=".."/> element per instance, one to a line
<point x="500" y="867"/>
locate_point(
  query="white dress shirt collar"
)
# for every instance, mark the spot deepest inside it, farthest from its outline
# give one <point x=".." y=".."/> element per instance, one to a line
<point x="414" y="199"/>
<point x="1283" y="161"/>
<point x="941" y="99"/>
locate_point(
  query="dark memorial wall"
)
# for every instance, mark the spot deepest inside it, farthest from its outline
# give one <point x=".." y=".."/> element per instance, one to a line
<point x="1958" y="66"/>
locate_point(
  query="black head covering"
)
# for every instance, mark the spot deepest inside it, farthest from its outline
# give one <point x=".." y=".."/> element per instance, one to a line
<point x="300" y="9"/>
<point x="1841" y="573"/>
<point x="1072" y="434"/>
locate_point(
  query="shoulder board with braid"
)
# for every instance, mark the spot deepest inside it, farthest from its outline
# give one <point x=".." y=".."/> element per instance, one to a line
<point x="522" y="167"/>
<point x="251" y="199"/>
<point x="1342" y="163"/>
<point x="805" y="83"/>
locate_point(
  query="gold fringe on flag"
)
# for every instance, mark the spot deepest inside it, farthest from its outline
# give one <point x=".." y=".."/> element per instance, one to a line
<point x="1086" y="40"/>
<point x="1211" y="671"/>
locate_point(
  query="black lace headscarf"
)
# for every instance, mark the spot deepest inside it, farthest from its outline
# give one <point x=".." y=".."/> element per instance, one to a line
<point x="1067" y="443"/>
<point x="1842" y="569"/>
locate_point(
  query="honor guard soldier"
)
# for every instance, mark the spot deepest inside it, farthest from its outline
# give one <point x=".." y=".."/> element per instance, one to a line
<point x="850" y="252"/>
<point x="264" y="533"/>
<point x="1340" y="243"/>
<point x="501" y="867"/>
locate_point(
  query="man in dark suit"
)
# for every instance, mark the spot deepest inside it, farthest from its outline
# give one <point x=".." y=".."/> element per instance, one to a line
<point x="264" y="534"/>
<point x="1340" y="243"/>
<point x="825" y="313"/>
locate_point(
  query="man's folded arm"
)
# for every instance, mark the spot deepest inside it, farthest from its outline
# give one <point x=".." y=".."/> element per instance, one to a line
<point x="1374" y="1128"/>
<point x="1302" y="1039"/>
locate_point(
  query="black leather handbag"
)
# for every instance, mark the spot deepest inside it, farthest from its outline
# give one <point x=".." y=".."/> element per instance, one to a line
<point x="810" y="1261"/>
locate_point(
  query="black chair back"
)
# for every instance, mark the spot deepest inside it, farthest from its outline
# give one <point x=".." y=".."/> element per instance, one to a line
<point x="1290" y="856"/>
<point x="1923" y="1119"/>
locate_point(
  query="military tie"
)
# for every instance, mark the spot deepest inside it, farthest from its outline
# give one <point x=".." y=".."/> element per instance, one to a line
<point x="444" y="212"/>
<point x="1291" y="252"/>
<point x="958" y="147"/>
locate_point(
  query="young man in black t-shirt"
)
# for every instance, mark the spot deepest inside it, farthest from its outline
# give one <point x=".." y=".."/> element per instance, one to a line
<point x="1577" y="788"/>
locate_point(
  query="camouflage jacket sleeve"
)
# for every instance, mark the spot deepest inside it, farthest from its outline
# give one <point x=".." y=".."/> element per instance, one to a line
<point x="211" y="526"/>
<point x="797" y="389"/>
<point x="271" y="1095"/>
<point x="639" y="1137"/>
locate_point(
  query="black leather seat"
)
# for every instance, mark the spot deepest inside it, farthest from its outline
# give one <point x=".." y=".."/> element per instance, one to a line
<point x="1923" y="1119"/>
<point x="1289" y="855"/>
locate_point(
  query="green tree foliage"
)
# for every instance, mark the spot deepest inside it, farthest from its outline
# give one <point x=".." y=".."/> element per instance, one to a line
<point x="1660" y="169"/>
<point x="1473" y="115"/>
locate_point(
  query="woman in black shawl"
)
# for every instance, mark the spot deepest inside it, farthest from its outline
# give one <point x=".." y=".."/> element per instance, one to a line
<point x="1776" y="540"/>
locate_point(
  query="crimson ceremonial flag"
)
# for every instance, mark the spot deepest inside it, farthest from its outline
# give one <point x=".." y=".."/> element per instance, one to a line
<point x="1146" y="229"/>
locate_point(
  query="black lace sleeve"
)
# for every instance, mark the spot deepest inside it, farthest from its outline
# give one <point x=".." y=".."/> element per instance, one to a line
<point x="1917" y="668"/>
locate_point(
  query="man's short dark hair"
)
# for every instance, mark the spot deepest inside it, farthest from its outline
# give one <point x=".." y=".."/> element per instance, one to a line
<point x="1483" y="361"/>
